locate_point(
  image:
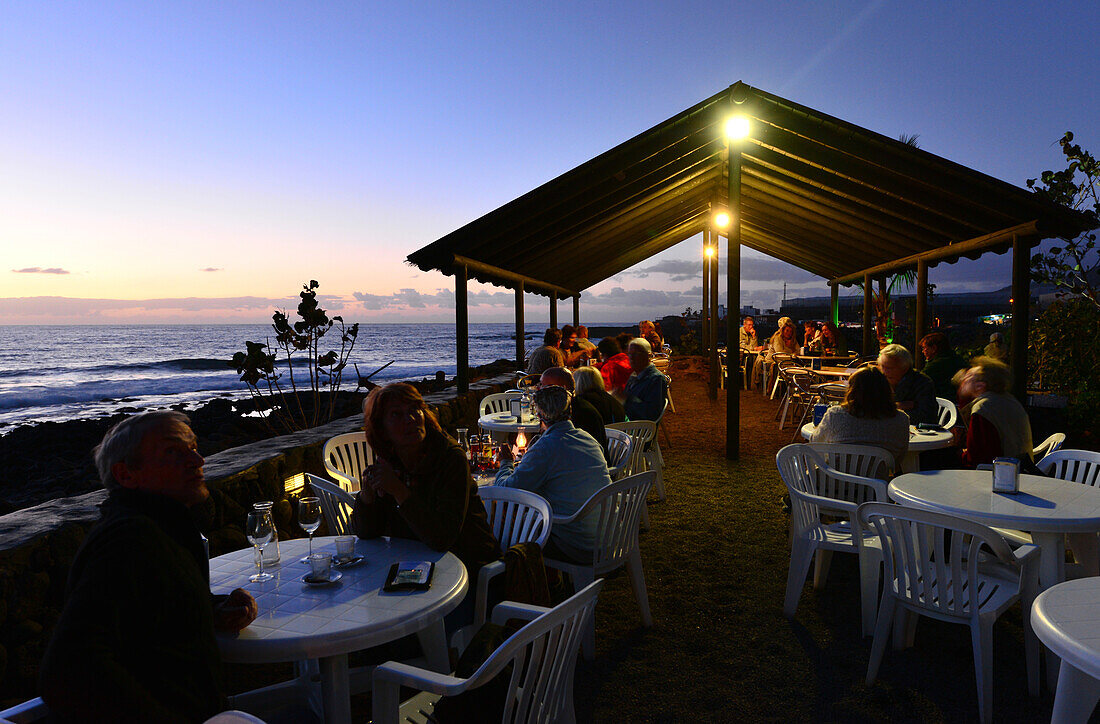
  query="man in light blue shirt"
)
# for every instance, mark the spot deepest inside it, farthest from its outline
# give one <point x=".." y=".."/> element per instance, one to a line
<point x="564" y="465"/>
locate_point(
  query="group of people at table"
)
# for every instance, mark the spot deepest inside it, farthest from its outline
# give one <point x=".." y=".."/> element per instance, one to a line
<point x="136" y="639"/>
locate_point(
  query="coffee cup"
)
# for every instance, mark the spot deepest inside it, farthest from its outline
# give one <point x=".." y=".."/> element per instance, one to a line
<point x="345" y="548"/>
<point x="320" y="566"/>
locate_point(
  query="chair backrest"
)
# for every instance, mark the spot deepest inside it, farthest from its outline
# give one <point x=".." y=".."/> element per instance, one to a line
<point x="336" y="504"/>
<point x="863" y="460"/>
<point x="517" y="516"/>
<point x="784" y="359"/>
<point x="862" y="361"/>
<point x="948" y="413"/>
<point x="618" y="451"/>
<point x="1046" y="447"/>
<point x="346" y="457"/>
<point x="528" y="382"/>
<point x="815" y="486"/>
<point x="641" y="433"/>
<point x="543" y="654"/>
<point x="617" y="509"/>
<point x="931" y="559"/>
<point x="1080" y="466"/>
<point x="497" y="402"/>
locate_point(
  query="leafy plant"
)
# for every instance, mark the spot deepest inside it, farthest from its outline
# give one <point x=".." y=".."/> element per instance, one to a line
<point x="882" y="306"/>
<point x="689" y="342"/>
<point x="1062" y="350"/>
<point x="1072" y="265"/>
<point x="300" y="345"/>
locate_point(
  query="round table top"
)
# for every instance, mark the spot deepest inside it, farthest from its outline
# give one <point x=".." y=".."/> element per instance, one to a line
<point x="1044" y="505"/>
<point x="505" y="422"/>
<point x="1066" y="618"/>
<point x="918" y="440"/>
<point x="299" y="621"/>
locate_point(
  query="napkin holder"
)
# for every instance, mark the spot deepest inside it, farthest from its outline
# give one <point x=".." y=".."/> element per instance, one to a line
<point x="1006" y="475"/>
<point x="515" y="407"/>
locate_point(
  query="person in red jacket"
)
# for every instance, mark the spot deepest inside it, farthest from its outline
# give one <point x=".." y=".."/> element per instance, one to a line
<point x="615" y="368"/>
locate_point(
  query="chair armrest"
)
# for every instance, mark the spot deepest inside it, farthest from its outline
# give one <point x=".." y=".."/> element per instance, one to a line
<point x="1027" y="553"/>
<point x="404" y="675"/>
<point x="28" y="711"/>
<point x="510" y="609"/>
<point x="488" y="572"/>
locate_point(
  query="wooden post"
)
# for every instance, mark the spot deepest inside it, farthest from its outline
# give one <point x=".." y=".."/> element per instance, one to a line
<point x="834" y="303"/>
<point x="868" y="327"/>
<point x="520" y="351"/>
<point x="713" y="321"/>
<point x="1021" y="315"/>
<point x="733" y="304"/>
<point x="553" y="310"/>
<point x="704" y="315"/>
<point x="577" y="310"/>
<point x="922" y="311"/>
<point x="462" y="331"/>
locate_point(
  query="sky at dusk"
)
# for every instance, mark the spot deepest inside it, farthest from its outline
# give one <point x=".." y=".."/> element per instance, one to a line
<point x="199" y="161"/>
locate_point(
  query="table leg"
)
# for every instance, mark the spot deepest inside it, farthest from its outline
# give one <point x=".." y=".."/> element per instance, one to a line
<point x="1052" y="571"/>
<point x="1076" y="696"/>
<point x="433" y="640"/>
<point x="335" y="692"/>
<point x="910" y="463"/>
<point x="1087" y="552"/>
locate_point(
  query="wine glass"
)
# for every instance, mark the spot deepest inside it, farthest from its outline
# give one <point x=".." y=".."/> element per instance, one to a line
<point x="260" y="530"/>
<point x="309" y="518"/>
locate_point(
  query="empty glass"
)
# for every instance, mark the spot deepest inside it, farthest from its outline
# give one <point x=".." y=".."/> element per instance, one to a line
<point x="260" y="529"/>
<point x="309" y="518"/>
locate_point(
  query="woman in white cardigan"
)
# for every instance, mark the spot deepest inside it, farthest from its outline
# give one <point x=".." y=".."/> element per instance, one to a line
<point x="867" y="416"/>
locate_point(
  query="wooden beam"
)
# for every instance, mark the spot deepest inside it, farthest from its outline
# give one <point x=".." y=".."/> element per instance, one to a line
<point x="733" y="303"/>
<point x="834" y="304"/>
<point x="951" y="251"/>
<point x="576" y="310"/>
<point x="536" y="286"/>
<point x="520" y="342"/>
<point x="704" y="314"/>
<point x="922" y="310"/>
<point x="868" y="328"/>
<point x="1021" y="316"/>
<point x="462" y="331"/>
<point x="553" y="310"/>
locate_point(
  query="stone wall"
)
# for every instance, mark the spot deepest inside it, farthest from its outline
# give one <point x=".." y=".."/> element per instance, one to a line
<point x="37" y="545"/>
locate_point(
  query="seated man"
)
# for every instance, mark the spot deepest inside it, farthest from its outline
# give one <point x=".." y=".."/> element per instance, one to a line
<point x="914" y="392"/>
<point x="942" y="362"/>
<point x="647" y="387"/>
<point x="583" y="342"/>
<point x="583" y="413"/>
<point x="546" y="356"/>
<point x="615" y="368"/>
<point x="565" y="466"/>
<point x="135" y="641"/>
<point x="996" y="422"/>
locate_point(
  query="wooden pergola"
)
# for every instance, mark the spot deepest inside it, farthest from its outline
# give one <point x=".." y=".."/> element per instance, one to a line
<point x="837" y="200"/>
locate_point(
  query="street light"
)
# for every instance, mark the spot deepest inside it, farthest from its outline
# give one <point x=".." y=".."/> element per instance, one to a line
<point x="737" y="128"/>
<point x="721" y="219"/>
<point x="709" y="252"/>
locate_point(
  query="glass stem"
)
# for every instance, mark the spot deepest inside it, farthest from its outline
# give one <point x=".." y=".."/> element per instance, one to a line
<point x="311" y="543"/>
<point x="261" y="561"/>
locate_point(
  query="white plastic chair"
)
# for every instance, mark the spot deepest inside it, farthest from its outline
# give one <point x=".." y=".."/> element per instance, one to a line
<point x="543" y="656"/>
<point x="497" y="402"/>
<point x="616" y="509"/>
<point x="815" y="488"/>
<point x="948" y="414"/>
<point x="336" y="504"/>
<point x="863" y="460"/>
<point x="642" y="433"/>
<point x="619" y="444"/>
<point x="516" y="516"/>
<point x="1046" y="447"/>
<point x="933" y="568"/>
<point x="346" y="457"/>
<point x="1080" y="466"/>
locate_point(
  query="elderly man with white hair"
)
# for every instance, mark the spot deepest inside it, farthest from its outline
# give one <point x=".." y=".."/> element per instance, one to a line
<point x="914" y="392"/>
<point x="564" y="465"/>
<point x="135" y="641"/>
<point x="646" y="389"/>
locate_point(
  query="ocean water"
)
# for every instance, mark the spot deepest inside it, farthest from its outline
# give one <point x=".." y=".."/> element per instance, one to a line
<point x="70" y="372"/>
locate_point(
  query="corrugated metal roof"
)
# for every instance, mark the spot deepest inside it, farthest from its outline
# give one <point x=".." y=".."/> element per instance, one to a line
<point x="817" y="192"/>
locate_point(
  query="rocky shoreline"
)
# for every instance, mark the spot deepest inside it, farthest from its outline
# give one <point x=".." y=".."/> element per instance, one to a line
<point x="49" y="460"/>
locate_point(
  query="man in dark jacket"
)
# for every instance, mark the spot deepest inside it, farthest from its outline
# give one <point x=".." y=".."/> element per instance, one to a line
<point x="914" y="392"/>
<point x="135" y="641"/>
<point x="941" y="363"/>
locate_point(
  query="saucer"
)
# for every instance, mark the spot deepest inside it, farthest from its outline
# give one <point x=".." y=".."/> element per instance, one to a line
<point x="504" y="417"/>
<point x="333" y="577"/>
<point x="349" y="563"/>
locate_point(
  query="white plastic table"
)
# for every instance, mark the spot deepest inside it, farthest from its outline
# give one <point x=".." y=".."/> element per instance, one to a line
<point x="504" y="422"/>
<point x="298" y="622"/>
<point x="1048" y="508"/>
<point x="1066" y="618"/>
<point x="918" y="442"/>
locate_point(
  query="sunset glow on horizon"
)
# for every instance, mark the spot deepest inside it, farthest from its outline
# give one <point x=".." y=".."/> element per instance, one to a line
<point x="200" y="162"/>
